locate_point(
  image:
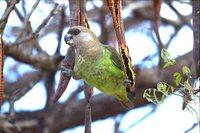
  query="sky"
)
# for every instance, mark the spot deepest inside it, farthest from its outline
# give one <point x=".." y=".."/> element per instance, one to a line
<point x="166" y="117"/>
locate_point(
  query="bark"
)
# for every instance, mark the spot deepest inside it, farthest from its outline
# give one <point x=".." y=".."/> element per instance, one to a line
<point x="196" y="46"/>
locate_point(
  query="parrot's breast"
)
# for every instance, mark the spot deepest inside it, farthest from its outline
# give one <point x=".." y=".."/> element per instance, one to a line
<point x="100" y="72"/>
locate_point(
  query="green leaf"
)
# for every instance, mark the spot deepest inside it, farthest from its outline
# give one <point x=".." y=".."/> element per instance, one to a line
<point x="167" y="58"/>
<point x="150" y="95"/>
<point x="161" y="86"/>
<point x="168" y="64"/>
<point x="186" y="71"/>
<point x="187" y="85"/>
<point x="165" y="88"/>
<point x="178" y="78"/>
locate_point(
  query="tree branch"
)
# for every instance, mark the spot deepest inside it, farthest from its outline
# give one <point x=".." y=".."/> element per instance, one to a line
<point x="1" y="68"/>
<point x="196" y="45"/>
<point x="42" y="60"/>
<point x="19" y="88"/>
<point x="4" y="19"/>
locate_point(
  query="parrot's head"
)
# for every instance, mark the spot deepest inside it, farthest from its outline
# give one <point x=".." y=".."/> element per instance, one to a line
<point x="79" y="35"/>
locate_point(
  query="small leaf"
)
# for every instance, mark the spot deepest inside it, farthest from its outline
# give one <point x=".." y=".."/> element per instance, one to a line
<point x="164" y="88"/>
<point x="150" y="95"/>
<point x="186" y="71"/>
<point x="178" y="78"/>
<point x="168" y="64"/>
<point x="161" y="86"/>
<point x="167" y="58"/>
<point x="187" y="86"/>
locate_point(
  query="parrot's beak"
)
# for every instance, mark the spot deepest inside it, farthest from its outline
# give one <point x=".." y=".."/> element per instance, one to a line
<point x="68" y="39"/>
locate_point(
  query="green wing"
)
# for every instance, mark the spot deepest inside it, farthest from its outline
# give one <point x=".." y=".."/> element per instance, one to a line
<point x="117" y="61"/>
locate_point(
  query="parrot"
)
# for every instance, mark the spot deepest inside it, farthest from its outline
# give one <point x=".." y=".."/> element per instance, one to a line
<point x="99" y="65"/>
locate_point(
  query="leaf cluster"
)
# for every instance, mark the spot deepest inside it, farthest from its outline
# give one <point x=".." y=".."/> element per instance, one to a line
<point x="188" y="92"/>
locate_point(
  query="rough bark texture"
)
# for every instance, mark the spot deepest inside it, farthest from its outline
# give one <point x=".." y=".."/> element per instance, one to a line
<point x="196" y="46"/>
<point x="1" y="68"/>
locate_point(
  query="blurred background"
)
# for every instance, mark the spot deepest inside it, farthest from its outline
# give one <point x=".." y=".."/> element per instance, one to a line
<point x="34" y="48"/>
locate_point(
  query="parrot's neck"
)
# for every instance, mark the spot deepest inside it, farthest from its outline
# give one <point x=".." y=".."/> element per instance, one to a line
<point x="89" y="49"/>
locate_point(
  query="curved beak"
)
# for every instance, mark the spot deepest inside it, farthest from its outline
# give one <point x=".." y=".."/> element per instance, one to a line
<point x="68" y="39"/>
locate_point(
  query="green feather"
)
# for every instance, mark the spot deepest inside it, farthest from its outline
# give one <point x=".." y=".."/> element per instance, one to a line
<point x="117" y="61"/>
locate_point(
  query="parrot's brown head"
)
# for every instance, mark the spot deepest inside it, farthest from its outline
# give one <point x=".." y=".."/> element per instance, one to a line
<point x="79" y="35"/>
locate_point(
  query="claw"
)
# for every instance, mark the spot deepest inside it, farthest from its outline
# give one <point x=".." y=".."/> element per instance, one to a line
<point x="67" y="71"/>
<point x="127" y="83"/>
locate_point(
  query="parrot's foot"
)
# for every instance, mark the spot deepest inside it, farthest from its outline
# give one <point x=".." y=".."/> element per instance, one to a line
<point x="130" y="89"/>
<point x="67" y="71"/>
<point x="127" y="83"/>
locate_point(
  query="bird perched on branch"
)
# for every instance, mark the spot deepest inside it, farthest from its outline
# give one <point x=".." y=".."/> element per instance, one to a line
<point x="98" y="65"/>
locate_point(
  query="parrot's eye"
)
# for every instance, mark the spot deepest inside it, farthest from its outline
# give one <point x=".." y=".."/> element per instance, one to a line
<point x="76" y="31"/>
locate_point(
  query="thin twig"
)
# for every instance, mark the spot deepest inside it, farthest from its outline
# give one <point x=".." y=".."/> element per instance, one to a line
<point x="1" y="68"/>
<point x="61" y="27"/>
<point x="23" y="84"/>
<point x="104" y="28"/>
<point x="6" y="14"/>
<point x="88" y="91"/>
<point x="172" y="38"/>
<point x="27" y="20"/>
<point x="140" y="120"/>
<point x="73" y="95"/>
<point x="12" y="116"/>
<point x="34" y="35"/>
<point x="23" y="7"/>
<point x="20" y="16"/>
<point x="12" y="110"/>
<point x="184" y="19"/>
<point x="192" y="127"/>
<point x="156" y="19"/>
<point x="45" y="21"/>
<point x="49" y="86"/>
